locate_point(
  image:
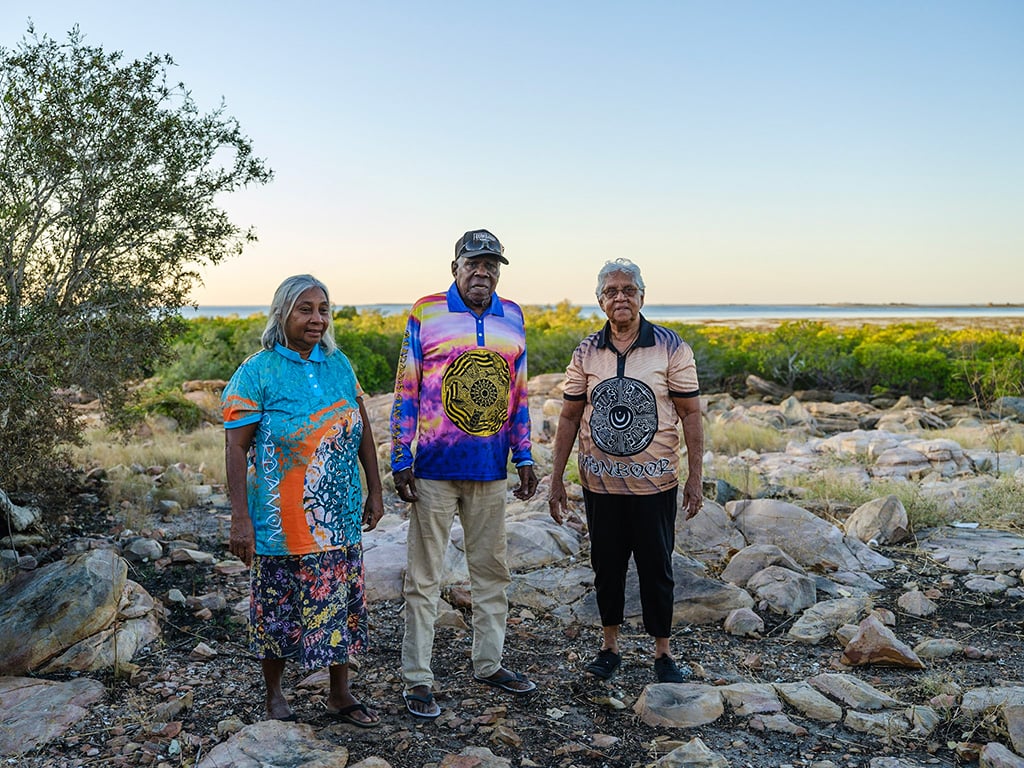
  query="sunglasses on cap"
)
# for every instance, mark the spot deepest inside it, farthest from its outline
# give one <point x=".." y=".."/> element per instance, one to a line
<point x="480" y="242"/>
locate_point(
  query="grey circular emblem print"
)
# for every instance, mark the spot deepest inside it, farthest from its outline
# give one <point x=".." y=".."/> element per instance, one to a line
<point x="625" y="416"/>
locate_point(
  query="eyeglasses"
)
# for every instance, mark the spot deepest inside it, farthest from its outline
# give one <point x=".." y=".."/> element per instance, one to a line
<point x="630" y="292"/>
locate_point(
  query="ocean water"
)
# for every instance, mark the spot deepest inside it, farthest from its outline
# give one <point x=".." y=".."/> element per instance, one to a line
<point x="724" y="312"/>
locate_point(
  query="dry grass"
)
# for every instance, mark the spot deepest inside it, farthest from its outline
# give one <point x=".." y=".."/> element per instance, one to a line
<point x="202" y="450"/>
<point x="180" y="460"/>
<point x="730" y="438"/>
<point x="998" y="436"/>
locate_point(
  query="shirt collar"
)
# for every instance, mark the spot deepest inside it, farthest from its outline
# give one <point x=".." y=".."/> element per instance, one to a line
<point x="644" y="339"/>
<point x="316" y="355"/>
<point x="456" y="304"/>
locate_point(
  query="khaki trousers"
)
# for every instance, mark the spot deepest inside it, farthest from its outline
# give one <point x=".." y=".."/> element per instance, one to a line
<point x="481" y="510"/>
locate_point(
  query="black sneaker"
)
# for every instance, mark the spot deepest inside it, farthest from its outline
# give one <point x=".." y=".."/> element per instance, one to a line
<point x="666" y="671"/>
<point x="604" y="665"/>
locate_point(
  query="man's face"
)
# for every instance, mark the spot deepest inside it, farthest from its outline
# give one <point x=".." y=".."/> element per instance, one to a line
<point x="476" y="279"/>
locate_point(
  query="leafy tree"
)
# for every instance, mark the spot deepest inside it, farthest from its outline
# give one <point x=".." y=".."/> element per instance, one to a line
<point x="109" y="177"/>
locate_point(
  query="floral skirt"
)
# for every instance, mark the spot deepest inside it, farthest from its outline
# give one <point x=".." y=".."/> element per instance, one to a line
<point x="308" y="608"/>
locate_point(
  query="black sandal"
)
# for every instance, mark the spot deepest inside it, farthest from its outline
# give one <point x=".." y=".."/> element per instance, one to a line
<point x="604" y="666"/>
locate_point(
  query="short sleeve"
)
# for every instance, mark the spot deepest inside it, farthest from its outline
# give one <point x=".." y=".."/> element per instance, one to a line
<point x="242" y="401"/>
<point x="682" y="372"/>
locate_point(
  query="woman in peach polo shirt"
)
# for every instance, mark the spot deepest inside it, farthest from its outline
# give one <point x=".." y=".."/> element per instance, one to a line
<point x="627" y="388"/>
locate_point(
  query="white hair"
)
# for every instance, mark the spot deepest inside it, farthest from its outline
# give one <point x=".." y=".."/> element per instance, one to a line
<point x="623" y="265"/>
<point x="285" y="296"/>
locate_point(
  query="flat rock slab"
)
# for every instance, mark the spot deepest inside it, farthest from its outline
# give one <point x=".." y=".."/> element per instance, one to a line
<point x="999" y="550"/>
<point x="35" y="712"/>
<point x="276" y="744"/>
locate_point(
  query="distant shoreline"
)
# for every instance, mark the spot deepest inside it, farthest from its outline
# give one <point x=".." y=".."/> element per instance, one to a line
<point x="717" y="313"/>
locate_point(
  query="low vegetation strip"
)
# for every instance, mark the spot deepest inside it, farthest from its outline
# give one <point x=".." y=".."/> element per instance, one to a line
<point x="920" y="359"/>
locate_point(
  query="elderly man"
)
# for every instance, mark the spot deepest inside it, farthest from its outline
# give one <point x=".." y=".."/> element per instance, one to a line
<point x="461" y="393"/>
<point x="629" y="385"/>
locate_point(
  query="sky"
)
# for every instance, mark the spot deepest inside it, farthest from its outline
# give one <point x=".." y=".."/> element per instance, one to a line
<point x="739" y="152"/>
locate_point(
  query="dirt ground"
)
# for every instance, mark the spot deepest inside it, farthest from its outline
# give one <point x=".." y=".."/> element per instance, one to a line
<point x="570" y="721"/>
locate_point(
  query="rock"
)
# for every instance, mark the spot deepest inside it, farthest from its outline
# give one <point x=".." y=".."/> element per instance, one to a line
<point x="708" y="536"/>
<point x="764" y="387"/>
<point x="36" y="712"/>
<point x="754" y="558"/>
<point x="693" y="754"/>
<point x="883" y="521"/>
<point x="901" y="462"/>
<point x="810" y="702"/>
<point x="475" y="757"/>
<point x="822" y="619"/>
<point x="142" y="549"/>
<point x="777" y="723"/>
<point x="884" y="725"/>
<point x="938" y="648"/>
<point x="743" y="622"/>
<point x="679" y="705"/>
<point x="751" y="698"/>
<point x="1010" y="404"/>
<point x="916" y="604"/>
<point x="782" y="590"/>
<point x="852" y="691"/>
<point x="975" y="701"/>
<point x="995" y="755"/>
<point x="19" y="518"/>
<point x="275" y="744"/>
<point x="875" y="643"/>
<point x="1013" y="714"/>
<point x="53" y="608"/>
<point x="187" y="556"/>
<point x="808" y="539"/>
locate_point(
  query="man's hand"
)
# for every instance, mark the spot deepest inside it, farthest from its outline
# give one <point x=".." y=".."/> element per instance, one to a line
<point x="405" y="484"/>
<point x="527" y="483"/>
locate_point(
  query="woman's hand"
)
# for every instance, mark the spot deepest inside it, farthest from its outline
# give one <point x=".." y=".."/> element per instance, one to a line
<point x="558" y="500"/>
<point x="373" y="510"/>
<point x="242" y="538"/>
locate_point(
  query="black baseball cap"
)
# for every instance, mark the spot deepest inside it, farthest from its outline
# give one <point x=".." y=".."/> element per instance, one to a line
<point x="480" y="242"/>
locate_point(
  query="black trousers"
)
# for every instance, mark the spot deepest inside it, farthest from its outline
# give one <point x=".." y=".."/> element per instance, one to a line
<point x="641" y="526"/>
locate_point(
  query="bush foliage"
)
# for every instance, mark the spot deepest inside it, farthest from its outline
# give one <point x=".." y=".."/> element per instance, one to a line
<point x="917" y="359"/>
<point x="111" y="179"/>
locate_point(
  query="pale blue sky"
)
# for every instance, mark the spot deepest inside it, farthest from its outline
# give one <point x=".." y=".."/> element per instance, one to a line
<point x="739" y="152"/>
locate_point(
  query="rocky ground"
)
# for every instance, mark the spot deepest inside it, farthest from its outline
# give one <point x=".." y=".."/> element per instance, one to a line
<point x="198" y="685"/>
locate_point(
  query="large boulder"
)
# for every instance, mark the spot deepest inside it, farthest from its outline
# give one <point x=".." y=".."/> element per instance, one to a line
<point x="811" y="541"/>
<point x="47" y="611"/>
<point x="883" y="521"/>
<point x="708" y="536"/>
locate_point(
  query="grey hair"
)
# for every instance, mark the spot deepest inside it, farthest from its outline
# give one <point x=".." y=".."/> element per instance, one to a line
<point x="285" y="296"/>
<point x="626" y="267"/>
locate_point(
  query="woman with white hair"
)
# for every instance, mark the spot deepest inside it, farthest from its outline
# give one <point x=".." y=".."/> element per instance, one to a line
<point x="627" y="388"/>
<point x="296" y="431"/>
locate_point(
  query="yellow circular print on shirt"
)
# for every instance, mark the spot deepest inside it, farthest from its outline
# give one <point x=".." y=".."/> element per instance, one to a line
<point x="475" y="391"/>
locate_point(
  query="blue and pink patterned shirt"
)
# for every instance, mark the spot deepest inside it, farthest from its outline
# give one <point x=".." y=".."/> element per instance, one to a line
<point x="303" y="484"/>
<point x="460" y="392"/>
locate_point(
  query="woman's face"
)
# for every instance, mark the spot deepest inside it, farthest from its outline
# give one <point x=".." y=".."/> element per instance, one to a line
<point x="307" y="322"/>
<point x="621" y="299"/>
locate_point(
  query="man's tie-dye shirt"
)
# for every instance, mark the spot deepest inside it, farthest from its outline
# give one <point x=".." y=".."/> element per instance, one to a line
<point x="303" y="482"/>
<point x="460" y="392"/>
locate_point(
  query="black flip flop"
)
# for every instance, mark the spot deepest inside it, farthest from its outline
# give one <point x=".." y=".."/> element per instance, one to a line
<point x="505" y="682"/>
<point x="428" y="700"/>
<point x="344" y="715"/>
